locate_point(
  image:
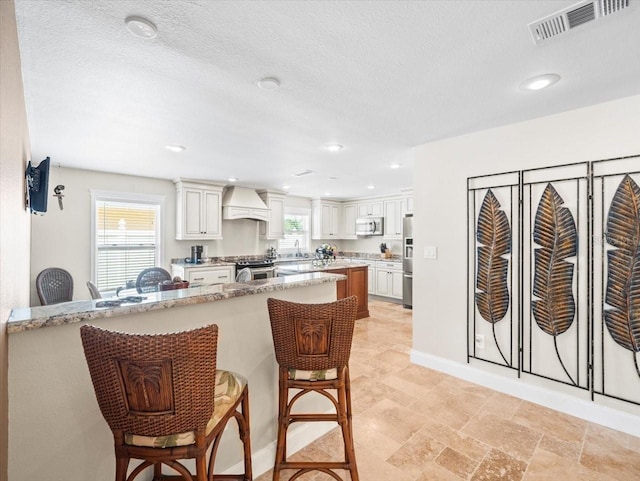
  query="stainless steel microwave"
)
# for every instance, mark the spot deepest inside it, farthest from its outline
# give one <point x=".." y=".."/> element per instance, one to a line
<point x="366" y="226"/>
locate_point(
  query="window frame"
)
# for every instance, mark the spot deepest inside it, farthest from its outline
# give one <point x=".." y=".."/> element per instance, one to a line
<point x="296" y="211"/>
<point x="129" y="197"/>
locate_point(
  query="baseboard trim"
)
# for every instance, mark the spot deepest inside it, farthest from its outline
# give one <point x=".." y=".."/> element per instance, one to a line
<point x="298" y="438"/>
<point x="587" y="410"/>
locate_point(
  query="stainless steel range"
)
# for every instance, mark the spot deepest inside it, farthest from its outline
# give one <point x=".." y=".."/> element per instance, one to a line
<point x="260" y="268"/>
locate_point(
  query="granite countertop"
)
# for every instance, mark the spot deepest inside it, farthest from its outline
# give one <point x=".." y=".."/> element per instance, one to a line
<point x="209" y="263"/>
<point x="28" y="318"/>
<point x="306" y="267"/>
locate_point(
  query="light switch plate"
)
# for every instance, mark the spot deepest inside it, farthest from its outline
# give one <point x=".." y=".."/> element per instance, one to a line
<point x="430" y="252"/>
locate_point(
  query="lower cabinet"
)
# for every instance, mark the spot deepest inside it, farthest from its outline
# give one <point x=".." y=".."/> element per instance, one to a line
<point x="389" y="279"/>
<point x="204" y="275"/>
<point x="354" y="285"/>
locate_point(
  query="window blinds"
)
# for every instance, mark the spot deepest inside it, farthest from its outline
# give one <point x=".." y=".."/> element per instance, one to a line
<point x="126" y="241"/>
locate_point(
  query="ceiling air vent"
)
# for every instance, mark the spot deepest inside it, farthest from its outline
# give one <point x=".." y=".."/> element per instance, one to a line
<point x="565" y="20"/>
<point x="303" y="173"/>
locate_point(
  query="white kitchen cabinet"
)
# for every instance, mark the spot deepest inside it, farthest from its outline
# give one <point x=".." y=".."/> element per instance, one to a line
<point x="370" y="208"/>
<point x="204" y="275"/>
<point x="198" y="210"/>
<point x="371" y="273"/>
<point x="349" y="215"/>
<point x="393" y="218"/>
<point x="325" y="219"/>
<point x="389" y="279"/>
<point x="407" y="203"/>
<point x="274" y="227"/>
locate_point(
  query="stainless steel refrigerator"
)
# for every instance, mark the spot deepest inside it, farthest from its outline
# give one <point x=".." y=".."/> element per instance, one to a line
<point x="407" y="261"/>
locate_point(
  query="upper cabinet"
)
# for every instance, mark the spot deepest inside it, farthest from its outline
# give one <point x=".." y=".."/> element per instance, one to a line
<point x="325" y="219"/>
<point x="274" y="227"/>
<point x="349" y="215"/>
<point x="370" y="208"/>
<point x="407" y="201"/>
<point x="198" y="210"/>
<point x="393" y="218"/>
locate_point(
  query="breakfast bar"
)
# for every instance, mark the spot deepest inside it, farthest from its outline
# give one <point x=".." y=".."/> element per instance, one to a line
<point x="52" y="406"/>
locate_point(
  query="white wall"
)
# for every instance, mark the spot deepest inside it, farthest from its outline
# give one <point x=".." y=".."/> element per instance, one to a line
<point x="14" y="219"/>
<point x="598" y="132"/>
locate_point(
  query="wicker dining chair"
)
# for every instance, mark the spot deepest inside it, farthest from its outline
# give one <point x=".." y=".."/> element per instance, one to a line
<point x="54" y="285"/>
<point x="312" y="344"/>
<point x="149" y="279"/>
<point x="164" y="400"/>
<point x="93" y="290"/>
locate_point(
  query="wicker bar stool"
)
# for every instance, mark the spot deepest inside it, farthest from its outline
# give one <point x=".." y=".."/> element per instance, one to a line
<point x="165" y="401"/>
<point x="312" y="344"/>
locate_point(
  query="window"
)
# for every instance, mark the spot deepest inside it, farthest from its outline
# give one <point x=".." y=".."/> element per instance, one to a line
<point x="296" y="228"/>
<point x="126" y="236"/>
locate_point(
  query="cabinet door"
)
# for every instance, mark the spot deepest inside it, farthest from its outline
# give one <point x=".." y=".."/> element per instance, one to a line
<point x="211" y="224"/>
<point x="349" y="215"/>
<point x="335" y="221"/>
<point x="363" y="210"/>
<point x="192" y="212"/>
<point x="325" y="213"/>
<point x="372" y="280"/>
<point x="396" y="284"/>
<point x="408" y="204"/>
<point x="383" y="281"/>
<point x="276" y="219"/>
<point x="393" y="219"/>
<point x="376" y="209"/>
<point x="358" y="281"/>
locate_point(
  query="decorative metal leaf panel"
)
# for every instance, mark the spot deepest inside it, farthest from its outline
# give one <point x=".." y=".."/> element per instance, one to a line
<point x="623" y="267"/>
<point x="555" y="231"/>
<point x="494" y="237"/>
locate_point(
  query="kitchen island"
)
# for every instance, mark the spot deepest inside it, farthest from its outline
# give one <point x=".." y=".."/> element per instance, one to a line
<point x="355" y="284"/>
<point x="52" y="406"/>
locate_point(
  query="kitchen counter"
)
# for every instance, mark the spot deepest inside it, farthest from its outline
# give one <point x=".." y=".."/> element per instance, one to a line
<point x="306" y="267"/>
<point x="50" y="390"/>
<point x="355" y="284"/>
<point x="28" y="318"/>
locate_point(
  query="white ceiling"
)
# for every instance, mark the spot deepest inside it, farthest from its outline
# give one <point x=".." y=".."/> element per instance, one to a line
<point x="378" y="77"/>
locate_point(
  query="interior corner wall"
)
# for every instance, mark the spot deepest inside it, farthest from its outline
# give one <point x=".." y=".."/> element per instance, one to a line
<point x="14" y="219"/>
<point x="441" y="169"/>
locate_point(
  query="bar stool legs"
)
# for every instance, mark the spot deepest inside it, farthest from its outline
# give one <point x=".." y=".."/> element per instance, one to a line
<point x="343" y="416"/>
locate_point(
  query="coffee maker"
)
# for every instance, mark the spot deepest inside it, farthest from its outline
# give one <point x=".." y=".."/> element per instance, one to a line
<point x="196" y="255"/>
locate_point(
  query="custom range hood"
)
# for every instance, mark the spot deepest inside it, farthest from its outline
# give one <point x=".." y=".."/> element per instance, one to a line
<point x="243" y="203"/>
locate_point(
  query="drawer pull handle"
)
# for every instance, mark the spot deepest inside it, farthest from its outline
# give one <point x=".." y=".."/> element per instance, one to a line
<point x="198" y="278"/>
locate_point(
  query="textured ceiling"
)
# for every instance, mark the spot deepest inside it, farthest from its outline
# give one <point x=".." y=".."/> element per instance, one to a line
<point x="378" y="77"/>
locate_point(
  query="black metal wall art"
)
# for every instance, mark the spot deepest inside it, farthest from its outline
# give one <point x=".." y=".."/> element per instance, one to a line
<point x="494" y="242"/>
<point x="492" y="289"/>
<point x="553" y="258"/>
<point x="623" y="268"/>
<point x="555" y="231"/>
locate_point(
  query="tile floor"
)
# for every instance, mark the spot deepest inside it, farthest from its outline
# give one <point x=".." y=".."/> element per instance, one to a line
<point x="415" y="424"/>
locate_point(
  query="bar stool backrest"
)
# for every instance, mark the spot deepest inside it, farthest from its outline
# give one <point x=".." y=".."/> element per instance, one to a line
<point x="54" y="285"/>
<point x="312" y="337"/>
<point x="153" y="385"/>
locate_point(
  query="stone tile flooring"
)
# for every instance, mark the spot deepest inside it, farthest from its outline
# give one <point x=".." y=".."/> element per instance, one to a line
<point x="415" y="424"/>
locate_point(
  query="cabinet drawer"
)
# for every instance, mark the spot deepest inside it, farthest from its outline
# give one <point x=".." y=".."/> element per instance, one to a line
<point x="389" y="265"/>
<point x="210" y="276"/>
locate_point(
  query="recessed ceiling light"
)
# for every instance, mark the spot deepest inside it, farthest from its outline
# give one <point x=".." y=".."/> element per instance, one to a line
<point x="175" y="148"/>
<point x="371" y="186"/>
<point x="327" y="193"/>
<point x="540" y="82"/>
<point x="395" y="166"/>
<point x="286" y="187"/>
<point x="334" y="147"/>
<point x="233" y="179"/>
<point x="141" y="27"/>
<point x="269" y="83"/>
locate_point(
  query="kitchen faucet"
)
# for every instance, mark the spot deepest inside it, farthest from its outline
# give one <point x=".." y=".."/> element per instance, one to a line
<point x="297" y="246"/>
